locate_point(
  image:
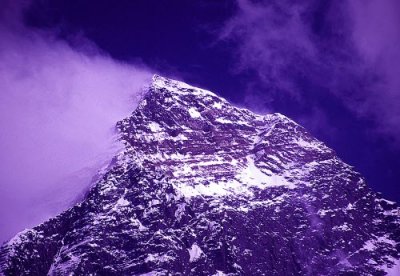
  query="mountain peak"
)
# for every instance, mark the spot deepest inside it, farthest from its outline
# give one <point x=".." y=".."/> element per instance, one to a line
<point x="194" y="136"/>
<point x="162" y="84"/>
<point x="178" y="87"/>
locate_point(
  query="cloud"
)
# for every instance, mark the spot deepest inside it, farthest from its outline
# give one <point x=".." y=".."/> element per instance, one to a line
<point x="263" y="33"/>
<point x="58" y="108"/>
<point x="313" y="51"/>
<point x="376" y="35"/>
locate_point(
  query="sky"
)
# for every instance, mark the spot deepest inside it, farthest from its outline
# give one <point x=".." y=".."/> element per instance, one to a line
<point x="69" y="69"/>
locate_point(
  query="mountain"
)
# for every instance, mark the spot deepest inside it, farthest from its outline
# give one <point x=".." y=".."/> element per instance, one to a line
<point x="206" y="188"/>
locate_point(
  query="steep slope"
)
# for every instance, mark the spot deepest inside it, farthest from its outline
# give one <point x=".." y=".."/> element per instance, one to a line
<point x="206" y="188"/>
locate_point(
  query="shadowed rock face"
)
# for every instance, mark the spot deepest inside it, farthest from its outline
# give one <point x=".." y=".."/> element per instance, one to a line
<point x="206" y="188"/>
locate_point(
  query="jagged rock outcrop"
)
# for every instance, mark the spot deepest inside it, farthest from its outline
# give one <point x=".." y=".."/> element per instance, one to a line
<point x="206" y="188"/>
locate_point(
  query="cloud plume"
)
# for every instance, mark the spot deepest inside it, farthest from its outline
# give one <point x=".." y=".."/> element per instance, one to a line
<point x="58" y="108"/>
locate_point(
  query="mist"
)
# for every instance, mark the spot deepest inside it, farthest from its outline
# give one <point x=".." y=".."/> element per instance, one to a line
<point x="58" y="109"/>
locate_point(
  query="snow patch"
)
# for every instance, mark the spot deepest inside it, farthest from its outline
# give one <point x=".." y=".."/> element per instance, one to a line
<point x="371" y="245"/>
<point x="255" y="177"/>
<point x="394" y="270"/>
<point x="152" y="273"/>
<point x="158" y="258"/>
<point x="154" y="127"/>
<point x="310" y="145"/>
<point x="122" y="202"/>
<point x="250" y="176"/>
<point x="194" y="113"/>
<point x="217" y="105"/>
<point x="194" y="253"/>
<point x="224" y="121"/>
<point x="343" y="227"/>
<point x="219" y="273"/>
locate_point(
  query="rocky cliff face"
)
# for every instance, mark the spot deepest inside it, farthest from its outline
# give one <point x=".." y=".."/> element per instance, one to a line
<point x="206" y="188"/>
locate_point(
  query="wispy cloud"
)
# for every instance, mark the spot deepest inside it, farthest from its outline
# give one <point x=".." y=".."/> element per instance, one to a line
<point x="311" y="51"/>
<point x="58" y="108"/>
<point x="376" y="34"/>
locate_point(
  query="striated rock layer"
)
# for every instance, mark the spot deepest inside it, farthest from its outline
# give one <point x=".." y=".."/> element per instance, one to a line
<point x="206" y="188"/>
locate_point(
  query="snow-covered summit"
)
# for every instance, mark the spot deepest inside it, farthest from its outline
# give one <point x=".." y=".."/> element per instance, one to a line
<point x="208" y="147"/>
<point x="203" y="188"/>
<point x="179" y="87"/>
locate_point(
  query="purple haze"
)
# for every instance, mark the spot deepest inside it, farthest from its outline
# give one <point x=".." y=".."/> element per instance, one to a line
<point x="58" y="107"/>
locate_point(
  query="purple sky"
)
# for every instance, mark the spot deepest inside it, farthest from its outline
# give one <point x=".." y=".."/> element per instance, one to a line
<point x="70" y="69"/>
